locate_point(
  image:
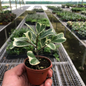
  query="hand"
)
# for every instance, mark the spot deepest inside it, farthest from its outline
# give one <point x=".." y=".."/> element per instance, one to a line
<point x="17" y="77"/>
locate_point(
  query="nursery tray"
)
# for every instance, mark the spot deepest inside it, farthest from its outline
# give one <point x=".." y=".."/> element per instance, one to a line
<point x="81" y="37"/>
<point x="63" y="74"/>
<point x="5" y="59"/>
<point x="17" y="60"/>
<point x="16" y="56"/>
<point x="31" y="23"/>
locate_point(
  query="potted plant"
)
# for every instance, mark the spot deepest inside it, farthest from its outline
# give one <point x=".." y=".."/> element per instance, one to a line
<point x="69" y="24"/>
<point x="37" y="66"/>
<point x="5" y="18"/>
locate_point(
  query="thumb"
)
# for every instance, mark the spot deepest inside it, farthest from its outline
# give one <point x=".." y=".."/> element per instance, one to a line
<point x="48" y="82"/>
<point x="19" y="69"/>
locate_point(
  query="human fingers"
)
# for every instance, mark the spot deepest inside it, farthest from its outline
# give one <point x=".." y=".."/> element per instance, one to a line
<point x="50" y="72"/>
<point x="18" y="70"/>
<point x="48" y="82"/>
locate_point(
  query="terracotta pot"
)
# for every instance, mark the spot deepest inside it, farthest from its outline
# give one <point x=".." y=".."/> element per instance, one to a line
<point x="37" y="77"/>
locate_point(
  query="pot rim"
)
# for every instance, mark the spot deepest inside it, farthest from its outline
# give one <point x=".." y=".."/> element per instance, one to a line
<point x="40" y="69"/>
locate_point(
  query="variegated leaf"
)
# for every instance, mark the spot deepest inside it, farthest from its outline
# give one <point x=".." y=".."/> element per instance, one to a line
<point x="40" y="28"/>
<point x="47" y="33"/>
<point x="33" y="35"/>
<point x="28" y="35"/>
<point x="20" y="43"/>
<point x="51" y="46"/>
<point x="21" y="39"/>
<point x="43" y="41"/>
<point x="59" y="38"/>
<point x="32" y="59"/>
<point x="33" y="30"/>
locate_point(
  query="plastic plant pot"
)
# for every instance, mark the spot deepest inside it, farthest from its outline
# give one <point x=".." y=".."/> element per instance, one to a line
<point x="37" y="77"/>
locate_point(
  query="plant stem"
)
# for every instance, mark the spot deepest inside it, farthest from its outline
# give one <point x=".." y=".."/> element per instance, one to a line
<point x="37" y="46"/>
<point x="42" y="47"/>
<point x="31" y="44"/>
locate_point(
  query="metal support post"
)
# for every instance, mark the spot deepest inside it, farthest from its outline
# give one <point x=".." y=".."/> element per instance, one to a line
<point x="16" y="3"/>
<point x="15" y="23"/>
<point x="20" y="3"/>
<point x="56" y="26"/>
<point x="65" y="32"/>
<point x="83" y="60"/>
<point x="0" y="6"/>
<point x="5" y="34"/>
<point x="10" y="5"/>
<point x="51" y="18"/>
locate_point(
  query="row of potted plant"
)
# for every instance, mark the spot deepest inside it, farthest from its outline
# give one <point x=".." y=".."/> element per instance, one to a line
<point x="37" y="66"/>
<point x="78" y="9"/>
<point x="38" y="10"/>
<point x="55" y="8"/>
<point x="66" y="5"/>
<point x="34" y="18"/>
<point x="83" y="12"/>
<point x="79" y="28"/>
<point x="5" y="7"/>
<point x="69" y="16"/>
<point x="31" y="12"/>
<point x="5" y="18"/>
<point x="73" y="5"/>
<point x="6" y="11"/>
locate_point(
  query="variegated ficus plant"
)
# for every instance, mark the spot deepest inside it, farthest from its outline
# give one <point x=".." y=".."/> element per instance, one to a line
<point x="38" y="37"/>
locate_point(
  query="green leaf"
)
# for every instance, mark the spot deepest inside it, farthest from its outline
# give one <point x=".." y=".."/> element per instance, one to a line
<point x="51" y="46"/>
<point x="33" y="36"/>
<point x="21" y="39"/>
<point x="40" y="28"/>
<point x="59" y="38"/>
<point x="20" y="43"/>
<point x="33" y="30"/>
<point x="11" y="47"/>
<point x="43" y="41"/>
<point x="28" y="35"/>
<point x="47" y="33"/>
<point x="32" y="59"/>
<point x="56" y="56"/>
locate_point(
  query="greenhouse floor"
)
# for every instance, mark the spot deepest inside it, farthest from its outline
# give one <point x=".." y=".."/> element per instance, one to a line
<point x="64" y="72"/>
